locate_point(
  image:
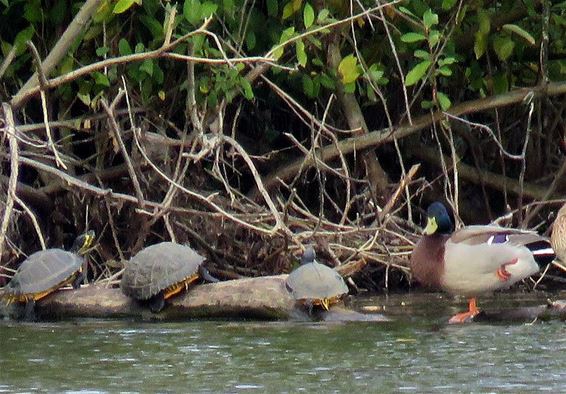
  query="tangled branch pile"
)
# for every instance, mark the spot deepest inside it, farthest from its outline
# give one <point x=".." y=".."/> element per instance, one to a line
<point x="250" y="128"/>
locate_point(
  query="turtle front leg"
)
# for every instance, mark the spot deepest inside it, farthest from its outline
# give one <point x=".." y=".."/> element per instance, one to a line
<point x="157" y="302"/>
<point x="29" y="311"/>
<point x="204" y="274"/>
<point x="78" y="281"/>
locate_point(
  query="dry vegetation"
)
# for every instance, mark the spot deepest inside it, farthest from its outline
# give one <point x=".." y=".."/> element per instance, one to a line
<point x="248" y="179"/>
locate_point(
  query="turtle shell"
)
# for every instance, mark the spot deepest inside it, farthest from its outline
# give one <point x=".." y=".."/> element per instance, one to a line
<point x="42" y="273"/>
<point x="315" y="281"/>
<point x="159" y="267"/>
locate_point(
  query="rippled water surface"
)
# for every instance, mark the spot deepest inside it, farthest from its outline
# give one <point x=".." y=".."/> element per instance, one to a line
<point x="415" y="352"/>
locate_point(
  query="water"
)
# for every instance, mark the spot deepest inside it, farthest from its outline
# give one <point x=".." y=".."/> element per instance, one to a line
<point x="417" y="352"/>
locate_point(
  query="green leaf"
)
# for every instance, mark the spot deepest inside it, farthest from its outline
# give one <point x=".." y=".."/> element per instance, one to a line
<point x="480" y="44"/>
<point x="308" y="86"/>
<point x="250" y="40"/>
<point x="192" y="11"/>
<point x="84" y="98"/>
<point x="323" y="15"/>
<point x="500" y="84"/>
<point x="327" y="82"/>
<point x="247" y="87"/>
<point x="124" y="47"/>
<point x="100" y="52"/>
<point x="350" y="87"/>
<point x="525" y="35"/>
<point x="153" y="25"/>
<point x="208" y="8"/>
<point x="430" y="19"/>
<point x="443" y="100"/>
<point x="422" y="54"/>
<point x="101" y="79"/>
<point x="308" y="15"/>
<point x="417" y="72"/>
<point x="286" y="35"/>
<point x="158" y="75"/>
<point x="122" y="6"/>
<point x="272" y="7"/>
<point x="484" y="22"/>
<point x="32" y="11"/>
<point x="503" y="47"/>
<point x="426" y="104"/>
<point x="66" y="65"/>
<point x="412" y="37"/>
<point x="348" y="69"/>
<point x="433" y="37"/>
<point x="288" y="10"/>
<point x="147" y="66"/>
<point x="375" y="73"/>
<point x="445" y="71"/>
<point x="447" y="60"/>
<point x="406" y="11"/>
<point x="301" y="54"/>
<point x="21" y="38"/>
<point x="448" y="4"/>
<point x="228" y="5"/>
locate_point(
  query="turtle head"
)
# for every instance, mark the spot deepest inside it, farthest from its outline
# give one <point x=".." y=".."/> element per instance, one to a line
<point x="308" y="255"/>
<point x="438" y="220"/>
<point x="83" y="242"/>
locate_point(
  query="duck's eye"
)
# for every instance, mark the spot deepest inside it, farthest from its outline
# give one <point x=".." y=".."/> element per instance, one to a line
<point x="498" y="239"/>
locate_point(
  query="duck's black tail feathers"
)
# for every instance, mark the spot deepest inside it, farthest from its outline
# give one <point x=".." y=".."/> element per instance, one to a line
<point x="542" y="252"/>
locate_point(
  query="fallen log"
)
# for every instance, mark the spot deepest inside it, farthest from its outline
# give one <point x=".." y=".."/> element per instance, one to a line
<point x="262" y="298"/>
<point x="553" y="310"/>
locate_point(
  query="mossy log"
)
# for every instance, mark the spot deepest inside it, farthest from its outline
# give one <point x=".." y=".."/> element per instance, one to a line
<point x="262" y="298"/>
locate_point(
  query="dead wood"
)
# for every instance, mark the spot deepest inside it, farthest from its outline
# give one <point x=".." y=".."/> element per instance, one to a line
<point x="376" y="176"/>
<point x="555" y="310"/>
<point x="380" y="137"/>
<point x="262" y="298"/>
<point x="494" y="181"/>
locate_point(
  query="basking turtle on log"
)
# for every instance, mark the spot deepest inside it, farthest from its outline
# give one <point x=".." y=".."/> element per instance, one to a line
<point x="314" y="284"/>
<point x="161" y="271"/>
<point x="45" y="271"/>
<point x="475" y="259"/>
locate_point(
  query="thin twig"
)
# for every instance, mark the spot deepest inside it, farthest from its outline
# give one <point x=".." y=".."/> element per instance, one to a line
<point x="10" y="130"/>
<point x="117" y="135"/>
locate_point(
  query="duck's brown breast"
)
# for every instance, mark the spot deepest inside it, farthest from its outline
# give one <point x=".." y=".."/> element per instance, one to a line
<point x="558" y="238"/>
<point x="427" y="260"/>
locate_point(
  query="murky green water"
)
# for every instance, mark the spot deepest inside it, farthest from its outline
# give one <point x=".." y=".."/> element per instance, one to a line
<point x="417" y="352"/>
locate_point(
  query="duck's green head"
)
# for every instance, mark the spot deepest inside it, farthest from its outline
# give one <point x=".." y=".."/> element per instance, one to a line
<point x="438" y="220"/>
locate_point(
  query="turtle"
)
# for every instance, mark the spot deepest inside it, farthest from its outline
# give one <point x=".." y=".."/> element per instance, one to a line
<point x="314" y="284"/>
<point x="160" y="271"/>
<point x="45" y="271"/>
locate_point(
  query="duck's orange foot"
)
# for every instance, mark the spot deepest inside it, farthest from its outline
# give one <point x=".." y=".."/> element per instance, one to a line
<point x="464" y="317"/>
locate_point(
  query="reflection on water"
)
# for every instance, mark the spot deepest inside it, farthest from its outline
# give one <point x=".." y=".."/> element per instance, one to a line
<point x="416" y="352"/>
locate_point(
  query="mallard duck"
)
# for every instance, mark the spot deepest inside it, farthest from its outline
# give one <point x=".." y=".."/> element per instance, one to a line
<point x="475" y="259"/>
<point x="558" y="237"/>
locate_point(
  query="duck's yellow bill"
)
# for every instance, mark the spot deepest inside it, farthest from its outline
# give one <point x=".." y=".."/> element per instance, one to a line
<point x="431" y="226"/>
